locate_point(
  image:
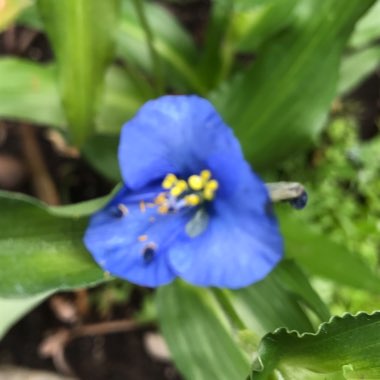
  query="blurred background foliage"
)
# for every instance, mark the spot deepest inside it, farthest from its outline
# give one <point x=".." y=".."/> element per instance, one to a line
<point x="286" y="75"/>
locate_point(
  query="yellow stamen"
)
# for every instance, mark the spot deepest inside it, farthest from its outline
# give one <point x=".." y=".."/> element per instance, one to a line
<point x="208" y="194"/>
<point x="143" y="237"/>
<point x="195" y="182"/>
<point x="179" y="188"/>
<point x="169" y="181"/>
<point x="205" y="175"/>
<point x="142" y="206"/>
<point x="212" y="185"/>
<point x="192" y="199"/>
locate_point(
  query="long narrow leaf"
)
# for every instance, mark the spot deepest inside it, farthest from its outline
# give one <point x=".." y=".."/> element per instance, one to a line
<point x="200" y="342"/>
<point x="82" y="35"/>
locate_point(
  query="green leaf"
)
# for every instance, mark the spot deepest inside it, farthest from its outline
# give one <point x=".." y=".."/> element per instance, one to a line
<point x="367" y="30"/>
<point x="81" y="33"/>
<point x="198" y="336"/>
<point x="356" y="67"/>
<point x="349" y="345"/>
<point x="323" y="257"/>
<point x="254" y="22"/>
<point x="124" y="93"/>
<point x="173" y="45"/>
<point x="277" y="300"/>
<point x="217" y="53"/>
<point x="285" y="95"/>
<point x="28" y="92"/>
<point x="13" y="309"/>
<point x="9" y="11"/>
<point x="40" y="251"/>
<point x="295" y="281"/>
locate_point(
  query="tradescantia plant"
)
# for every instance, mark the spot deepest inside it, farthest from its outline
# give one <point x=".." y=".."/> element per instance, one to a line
<point x="189" y="204"/>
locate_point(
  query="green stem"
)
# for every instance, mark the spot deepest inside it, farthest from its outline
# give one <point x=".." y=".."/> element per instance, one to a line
<point x="152" y="51"/>
<point x="224" y="300"/>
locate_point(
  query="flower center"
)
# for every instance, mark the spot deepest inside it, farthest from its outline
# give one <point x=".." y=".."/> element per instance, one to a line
<point x="179" y="193"/>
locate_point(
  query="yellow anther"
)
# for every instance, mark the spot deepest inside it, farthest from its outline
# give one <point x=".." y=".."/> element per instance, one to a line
<point x="208" y="194"/>
<point x="169" y="181"/>
<point x="205" y="175"/>
<point x="192" y="199"/>
<point x="195" y="182"/>
<point x="179" y="188"/>
<point x="143" y="237"/>
<point x="212" y="185"/>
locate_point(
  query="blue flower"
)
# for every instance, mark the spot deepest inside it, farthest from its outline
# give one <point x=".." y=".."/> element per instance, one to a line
<point x="190" y="206"/>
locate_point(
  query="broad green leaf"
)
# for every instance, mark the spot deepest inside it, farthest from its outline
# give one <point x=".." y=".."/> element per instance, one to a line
<point x="13" y="309"/>
<point x="28" y="92"/>
<point x="82" y="34"/>
<point x="367" y="30"/>
<point x="356" y="67"/>
<point x="348" y="345"/>
<point x="40" y="251"/>
<point x="199" y="339"/>
<point x="10" y="9"/>
<point x="279" y="104"/>
<point x="173" y="45"/>
<point x="323" y="257"/>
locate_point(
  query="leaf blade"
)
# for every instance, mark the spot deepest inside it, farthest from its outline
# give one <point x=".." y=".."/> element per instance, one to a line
<point x="201" y="345"/>
<point x="40" y="251"/>
<point x="349" y="344"/>
<point x="83" y="48"/>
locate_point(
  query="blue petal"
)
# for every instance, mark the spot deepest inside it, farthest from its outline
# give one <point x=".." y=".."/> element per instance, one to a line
<point x="241" y="245"/>
<point x="113" y="240"/>
<point x="173" y="134"/>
